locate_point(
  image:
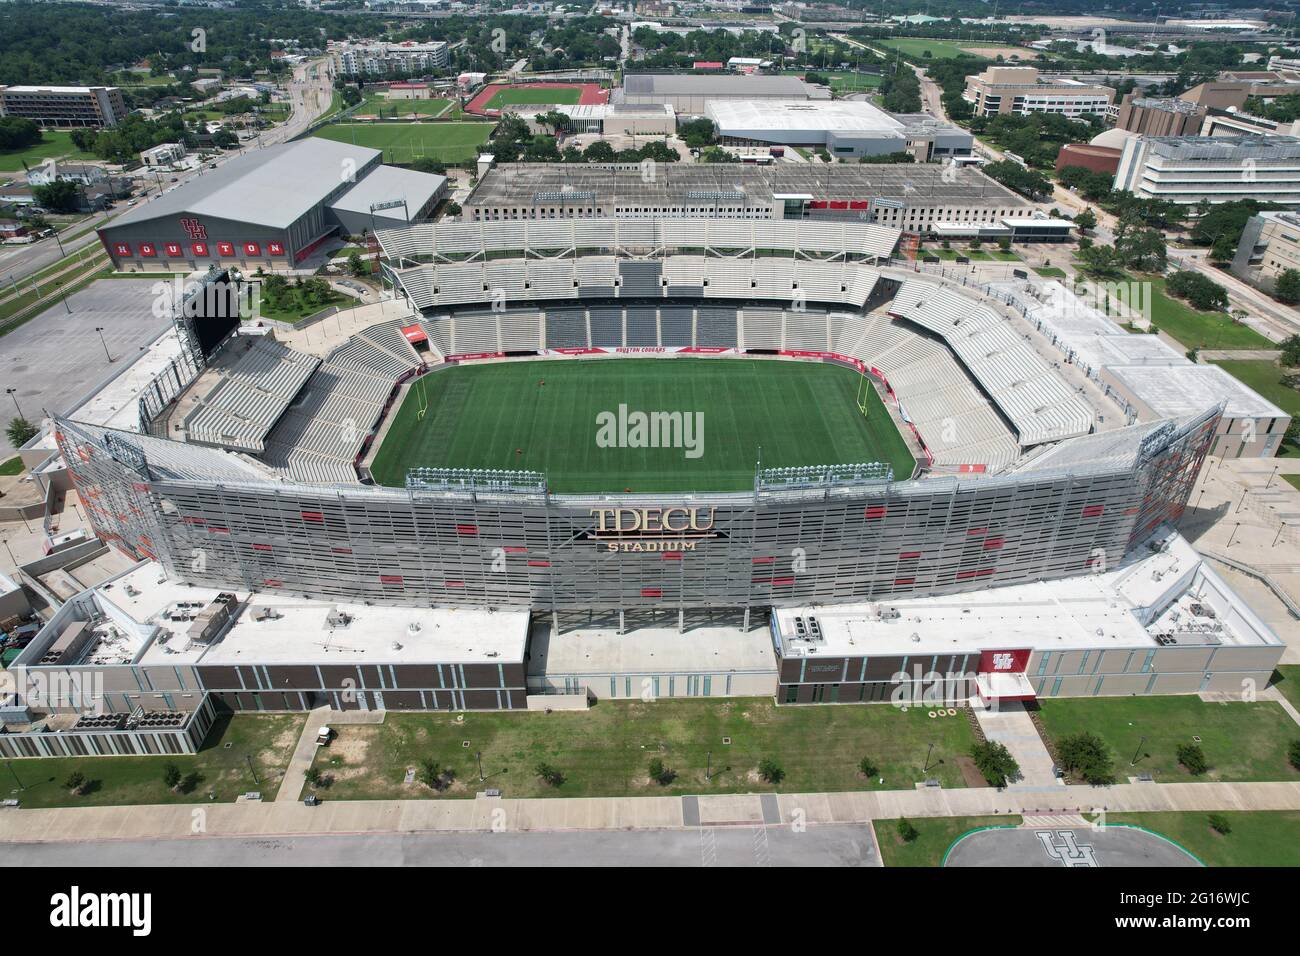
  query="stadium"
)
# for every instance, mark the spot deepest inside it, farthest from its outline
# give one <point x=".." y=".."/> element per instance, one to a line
<point x="726" y="456"/>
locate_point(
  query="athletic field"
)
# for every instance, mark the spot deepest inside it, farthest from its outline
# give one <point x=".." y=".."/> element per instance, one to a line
<point x="403" y="142"/>
<point x="563" y="418"/>
<point x="533" y="95"/>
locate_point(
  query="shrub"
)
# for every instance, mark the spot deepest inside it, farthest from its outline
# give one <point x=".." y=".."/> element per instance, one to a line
<point x="1219" y="824"/>
<point x="172" y="776"/>
<point x="906" y="831"/>
<point x="1085" y="754"/>
<point x="76" y="781"/>
<point x="433" y="775"/>
<point x="551" y="775"/>
<point x="660" y="774"/>
<point x="868" y="767"/>
<point x="994" y="760"/>
<point x="1293" y="753"/>
<point x="1192" y="757"/>
<point x="313" y="776"/>
<point x="771" y="771"/>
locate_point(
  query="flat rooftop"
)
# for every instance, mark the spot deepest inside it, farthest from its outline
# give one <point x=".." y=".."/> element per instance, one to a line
<point x="1175" y="391"/>
<point x="389" y="184"/>
<point x="517" y="184"/>
<point x="832" y="116"/>
<point x="705" y="84"/>
<point x="1150" y="594"/>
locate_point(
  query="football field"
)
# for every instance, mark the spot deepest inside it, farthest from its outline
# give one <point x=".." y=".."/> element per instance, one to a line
<point x="405" y="142"/>
<point x="534" y="96"/>
<point x="581" y="422"/>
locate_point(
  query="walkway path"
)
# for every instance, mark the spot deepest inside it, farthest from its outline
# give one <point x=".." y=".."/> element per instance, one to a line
<point x="620" y="813"/>
<point x="1011" y="726"/>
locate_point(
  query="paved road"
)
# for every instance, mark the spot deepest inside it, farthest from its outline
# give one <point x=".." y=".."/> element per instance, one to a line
<point x="729" y="846"/>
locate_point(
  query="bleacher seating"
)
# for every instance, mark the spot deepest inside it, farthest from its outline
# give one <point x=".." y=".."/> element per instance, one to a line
<point x="1034" y="398"/>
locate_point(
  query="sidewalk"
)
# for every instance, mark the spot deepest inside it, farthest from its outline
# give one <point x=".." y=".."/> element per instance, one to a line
<point x="1011" y="726"/>
<point x="622" y="813"/>
<point x="295" y="775"/>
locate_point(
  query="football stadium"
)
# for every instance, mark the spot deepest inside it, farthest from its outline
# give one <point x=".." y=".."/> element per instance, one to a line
<point x="593" y="456"/>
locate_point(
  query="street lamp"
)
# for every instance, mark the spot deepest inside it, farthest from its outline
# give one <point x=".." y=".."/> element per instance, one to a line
<point x="13" y="393"/>
<point x="64" y="296"/>
<point x="100" y="330"/>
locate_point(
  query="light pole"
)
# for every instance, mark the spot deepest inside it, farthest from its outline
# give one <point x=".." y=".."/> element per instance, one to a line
<point x="64" y="296"/>
<point x="13" y="393"/>
<point x="1133" y="762"/>
<point x="100" y="330"/>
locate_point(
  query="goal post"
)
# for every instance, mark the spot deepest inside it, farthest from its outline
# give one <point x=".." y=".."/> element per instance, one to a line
<point x="424" y="399"/>
<point x="864" y="386"/>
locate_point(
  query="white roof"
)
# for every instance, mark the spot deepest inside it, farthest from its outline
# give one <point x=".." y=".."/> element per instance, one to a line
<point x="1174" y="391"/>
<point x="835" y="116"/>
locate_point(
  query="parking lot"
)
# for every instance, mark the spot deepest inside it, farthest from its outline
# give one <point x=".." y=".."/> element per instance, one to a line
<point x="57" y="358"/>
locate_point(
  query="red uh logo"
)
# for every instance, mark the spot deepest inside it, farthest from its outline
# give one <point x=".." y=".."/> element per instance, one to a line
<point x="194" y="229"/>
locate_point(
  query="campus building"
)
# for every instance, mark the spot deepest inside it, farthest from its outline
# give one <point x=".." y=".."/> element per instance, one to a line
<point x="379" y="59"/>
<point x="844" y="128"/>
<point x="1191" y="169"/>
<point x="910" y="197"/>
<point x="1020" y="89"/>
<point x="68" y="106"/>
<point x="241" y="214"/>
<point x="1269" y="246"/>
<point x="690" y="93"/>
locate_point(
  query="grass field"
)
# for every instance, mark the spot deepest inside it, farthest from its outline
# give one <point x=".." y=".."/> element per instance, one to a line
<point x="844" y="82"/>
<point x="1289" y="684"/>
<point x="260" y="746"/>
<point x="1258" y="838"/>
<point x="606" y="751"/>
<point x="1196" y="329"/>
<point x="14" y="466"/>
<point x="1241" y="741"/>
<point x="404" y="142"/>
<point x="378" y="103"/>
<point x="1265" y="377"/>
<point x="54" y="144"/>
<point x="935" y="835"/>
<point x="533" y="96"/>
<point x="500" y="416"/>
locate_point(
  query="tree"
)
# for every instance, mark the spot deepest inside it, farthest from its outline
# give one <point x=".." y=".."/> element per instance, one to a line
<point x="426" y="165"/>
<point x="1287" y="289"/>
<point x="356" y="266"/>
<point x="716" y="154"/>
<point x="660" y="774"/>
<point x="994" y="760"/>
<point x="906" y="832"/>
<point x="16" y="132"/>
<point x="451" y="209"/>
<point x="771" y="771"/>
<point x="1192" y="757"/>
<point x="76" y="782"/>
<point x="599" y="152"/>
<point x="433" y="775"/>
<point x="172" y="776"/>
<point x="1293" y="753"/>
<point x="1199" y="290"/>
<point x="867" y="767"/>
<point x="1099" y="261"/>
<point x="314" y="777"/>
<point x="62" y="195"/>
<point x="697" y="133"/>
<point x="20" y="431"/>
<point x="1142" y="249"/>
<point x="1086" y="220"/>
<point x="1085" y="754"/>
<point x="551" y="776"/>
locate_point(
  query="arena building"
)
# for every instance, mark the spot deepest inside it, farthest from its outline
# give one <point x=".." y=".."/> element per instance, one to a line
<point x="274" y="573"/>
<point x="689" y="94"/>
<point x="243" y="214"/>
<point x="909" y="197"/>
<point x="842" y="127"/>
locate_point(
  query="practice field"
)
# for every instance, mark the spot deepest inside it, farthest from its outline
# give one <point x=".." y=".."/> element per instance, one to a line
<point x="404" y="142"/>
<point x="531" y="96"/>
<point x="501" y="415"/>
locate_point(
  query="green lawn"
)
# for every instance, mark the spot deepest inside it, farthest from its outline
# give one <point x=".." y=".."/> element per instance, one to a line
<point x="916" y="46"/>
<point x="854" y="82"/>
<point x="606" y="751"/>
<point x="1265" y="377"/>
<point x="501" y="416"/>
<point x="1293" y="481"/>
<point x="1258" y="838"/>
<point x="378" y="103"/>
<point x="267" y="740"/>
<point x="534" y="96"/>
<point x="936" y="834"/>
<point x="54" y="144"/>
<point x="14" y="466"/>
<point x="295" y="307"/>
<point x="1050" y="272"/>
<point x="1241" y="741"/>
<point x="1195" y="329"/>
<point x="1287" y="679"/>
<point x="406" y="142"/>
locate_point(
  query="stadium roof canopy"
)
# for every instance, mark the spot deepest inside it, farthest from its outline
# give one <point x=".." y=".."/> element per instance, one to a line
<point x="688" y="84"/>
<point x="389" y="184"/>
<point x="271" y="187"/>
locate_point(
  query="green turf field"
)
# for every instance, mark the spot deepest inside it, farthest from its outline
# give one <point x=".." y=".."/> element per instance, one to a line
<point x="54" y="144"/>
<point x="501" y="416"/>
<point x="531" y="96"/>
<point x="379" y="104"/>
<point x="404" y="142"/>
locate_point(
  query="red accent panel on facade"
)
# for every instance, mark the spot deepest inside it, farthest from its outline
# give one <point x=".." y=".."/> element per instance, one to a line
<point x="672" y="555"/>
<point x="652" y="592"/>
<point x="876" y="511"/>
<point x="312" y="516"/>
<point x="993" y="544"/>
<point x="390" y="579"/>
<point x="466" y="529"/>
<point x="1093" y="511"/>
